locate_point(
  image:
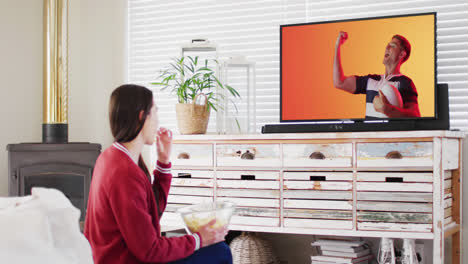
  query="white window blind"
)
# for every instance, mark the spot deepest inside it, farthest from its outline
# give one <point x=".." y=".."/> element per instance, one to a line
<point x="158" y="29"/>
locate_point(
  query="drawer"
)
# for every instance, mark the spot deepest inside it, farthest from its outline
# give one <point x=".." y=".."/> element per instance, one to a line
<point x="400" y="227"/>
<point x="192" y="154"/>
<point x="253" y="221"/>
<point x="394" y="216"/>
<point x="317" y="181"/>
<point x="394" y="182"/>
<point x="395" y="156"/>
<point x="394" y="201"/>
<point x="248" y="155"/>
<point x="256" y="195"/>
<point x="189" y="187"/>
<point x="448" y="198"/>
<point x="316" y="223"/>
<point x="318" y="155"/>
<point x="254" y="211"/>
<point x="248" y="180"/>
<point x="318" y="200"/>
<point x="192" y="178"/>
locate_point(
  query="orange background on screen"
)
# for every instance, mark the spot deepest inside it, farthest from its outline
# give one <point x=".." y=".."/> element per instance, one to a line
<point x="307" y="64"/>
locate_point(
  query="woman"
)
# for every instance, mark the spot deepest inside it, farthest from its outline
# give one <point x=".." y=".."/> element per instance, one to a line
<point x="122" y="219"/>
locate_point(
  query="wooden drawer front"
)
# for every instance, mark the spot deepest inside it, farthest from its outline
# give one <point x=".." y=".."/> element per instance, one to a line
<point x="248" y="155"/>
<point x="192" y="178"/>
<point x="187" y="187"/>
<point x="318" y="181"/>
<point x="394" y="201"/>
<point x="192" y="154"/>
<point x="318" y="200"/>
<point x="256" y="195"/>
<point x="450" y="153"/>
<point x="318" y="155"/>
<point x="395" y="155"/>
<point x="448" y="198"/>
<point x="190" y="187"/>
<point x="394" y="182"/>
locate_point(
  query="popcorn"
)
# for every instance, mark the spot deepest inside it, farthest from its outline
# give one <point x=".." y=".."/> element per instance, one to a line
<point x="194" y="223"/>
<point x="199" y="215"/>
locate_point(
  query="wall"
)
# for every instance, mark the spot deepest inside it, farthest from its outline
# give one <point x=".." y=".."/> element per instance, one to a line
<point x="96" y="67"/>
<point x="21" y="75"/>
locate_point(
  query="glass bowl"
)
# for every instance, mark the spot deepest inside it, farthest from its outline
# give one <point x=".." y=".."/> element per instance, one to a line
<point x="198" y="215"/>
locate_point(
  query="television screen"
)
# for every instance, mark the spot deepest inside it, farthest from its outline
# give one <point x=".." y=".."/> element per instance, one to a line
<point x="360" y="69"/>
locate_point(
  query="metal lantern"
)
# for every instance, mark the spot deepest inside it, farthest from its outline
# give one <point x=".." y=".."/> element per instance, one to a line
<point x="238" y="115"/>
<point x="200" y="45"/>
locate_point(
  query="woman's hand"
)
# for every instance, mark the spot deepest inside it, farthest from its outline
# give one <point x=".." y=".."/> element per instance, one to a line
<point x="210" y="235"/>
<point x="164" y="145"/>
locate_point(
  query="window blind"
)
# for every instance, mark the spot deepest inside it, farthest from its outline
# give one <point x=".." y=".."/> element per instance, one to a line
<point x="157" y="30"/>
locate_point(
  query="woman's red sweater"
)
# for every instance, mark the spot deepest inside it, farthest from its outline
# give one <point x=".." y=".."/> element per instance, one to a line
<point x="122" y="222"/>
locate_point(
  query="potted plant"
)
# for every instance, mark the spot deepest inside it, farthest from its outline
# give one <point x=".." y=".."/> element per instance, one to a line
<point x="189" y="79"/>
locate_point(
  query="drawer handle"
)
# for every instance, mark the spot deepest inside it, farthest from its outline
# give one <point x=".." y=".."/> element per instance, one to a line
<point x="394" y="155"/>
<point x="183" y="155"/>
<point x="248" y="177"/>
<point x="184" y="175"/>
<point x="318" y="178"/>
<point x="317" y="155"/>
<point x="248" y="155"/>
<point x="394" y="179"/>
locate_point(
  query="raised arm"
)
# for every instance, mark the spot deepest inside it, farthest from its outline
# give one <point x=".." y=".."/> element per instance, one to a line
<point x="341" y="81"/>
<point x="162" y="173"/>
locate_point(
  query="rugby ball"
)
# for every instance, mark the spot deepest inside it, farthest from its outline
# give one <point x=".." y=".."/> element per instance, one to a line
<point x="392" y="94"/>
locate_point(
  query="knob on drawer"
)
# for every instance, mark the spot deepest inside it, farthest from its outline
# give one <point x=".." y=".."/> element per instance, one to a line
<point x="248" y="155"/>
<point x="393" y="179"/>
<point x="318" y="178"/>
<point x="317" y="155"/>
<point x="184" y="175"/>
<point x="183" y="155"/>
<point x="394" y="155"/>
<point x="248" y="177"/>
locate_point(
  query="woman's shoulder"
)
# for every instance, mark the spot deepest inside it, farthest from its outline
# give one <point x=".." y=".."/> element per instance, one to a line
<point x="112" y="158"/>
<point x="118" y="166"/>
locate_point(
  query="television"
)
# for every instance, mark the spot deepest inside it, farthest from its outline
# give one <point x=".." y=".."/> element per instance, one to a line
<point x="346" y="83"/>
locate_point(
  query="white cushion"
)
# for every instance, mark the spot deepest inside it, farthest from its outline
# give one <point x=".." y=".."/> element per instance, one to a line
<point x="41" y="228"/>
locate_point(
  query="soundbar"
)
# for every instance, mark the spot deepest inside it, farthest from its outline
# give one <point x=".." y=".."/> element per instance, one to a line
<point x="441" y="122"/>
<point x="338" y="127"/>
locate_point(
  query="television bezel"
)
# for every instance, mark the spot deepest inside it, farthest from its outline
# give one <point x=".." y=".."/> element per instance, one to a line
<point x="435" y="114"/>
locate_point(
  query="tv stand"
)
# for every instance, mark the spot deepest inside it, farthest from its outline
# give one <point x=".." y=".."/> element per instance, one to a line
<point x="404" y="184"/>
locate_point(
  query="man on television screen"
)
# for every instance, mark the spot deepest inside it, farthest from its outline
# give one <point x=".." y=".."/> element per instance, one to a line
<point x="391" y="95"/>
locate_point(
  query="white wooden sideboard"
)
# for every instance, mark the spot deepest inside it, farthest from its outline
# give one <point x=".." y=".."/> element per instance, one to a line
<point x="403" y="184"/>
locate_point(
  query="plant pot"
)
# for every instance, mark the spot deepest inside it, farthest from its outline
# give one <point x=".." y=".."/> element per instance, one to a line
<point x="193" y="118"/>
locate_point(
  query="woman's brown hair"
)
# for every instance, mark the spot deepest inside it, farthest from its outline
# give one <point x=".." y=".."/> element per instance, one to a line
<point x="126" y="103"/>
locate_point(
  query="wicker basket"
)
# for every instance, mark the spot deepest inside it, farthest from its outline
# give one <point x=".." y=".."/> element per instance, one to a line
<point x="249" y="248"/>
<point x="193" y="118"/>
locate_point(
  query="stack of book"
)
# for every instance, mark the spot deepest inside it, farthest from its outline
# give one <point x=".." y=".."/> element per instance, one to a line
<point x="342" y="251"/>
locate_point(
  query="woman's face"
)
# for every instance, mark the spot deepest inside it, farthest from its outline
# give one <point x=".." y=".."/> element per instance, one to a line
<point x="151" y="126"/>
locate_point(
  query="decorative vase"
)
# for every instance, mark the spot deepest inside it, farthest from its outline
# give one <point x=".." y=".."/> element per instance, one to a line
<point x="193" y="118"/>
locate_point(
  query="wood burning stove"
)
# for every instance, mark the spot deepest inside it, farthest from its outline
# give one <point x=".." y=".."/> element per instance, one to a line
<point x="66" y="167"/>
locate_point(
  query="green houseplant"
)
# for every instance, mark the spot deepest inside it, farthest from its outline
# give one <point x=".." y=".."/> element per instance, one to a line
<point x="189" y="78"/>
